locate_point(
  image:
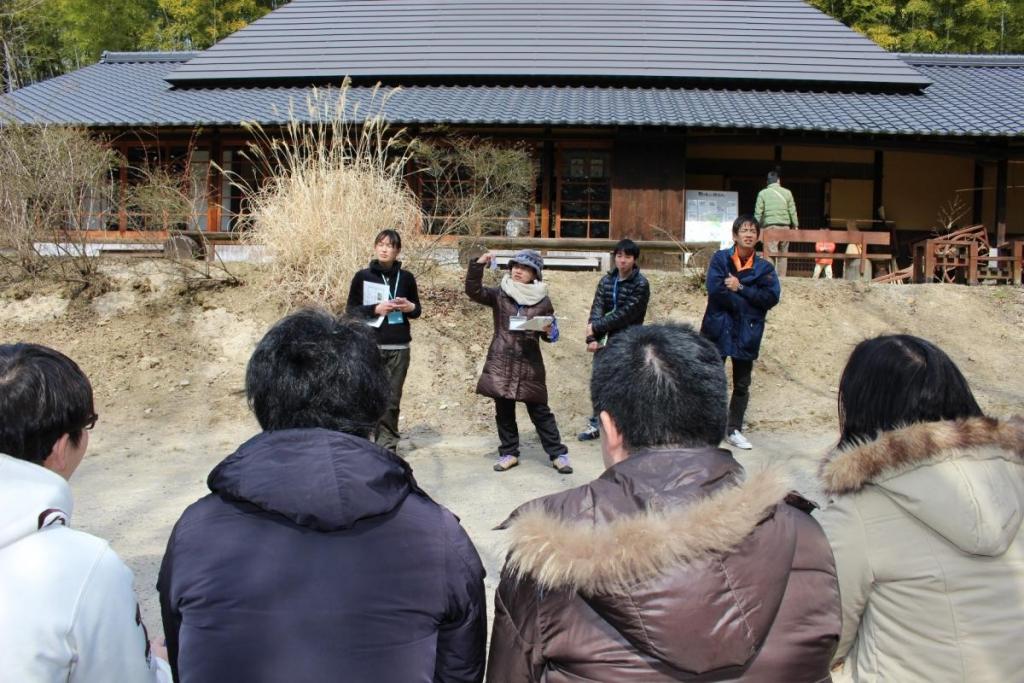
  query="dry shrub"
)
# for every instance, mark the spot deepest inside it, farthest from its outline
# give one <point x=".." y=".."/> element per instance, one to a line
<point x="333" y="182"/>
<point x="56" y="184"/>
<point x="477" y="186"/>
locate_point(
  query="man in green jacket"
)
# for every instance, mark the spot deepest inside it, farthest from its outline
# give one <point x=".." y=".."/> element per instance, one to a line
<point x="775" y="209"/>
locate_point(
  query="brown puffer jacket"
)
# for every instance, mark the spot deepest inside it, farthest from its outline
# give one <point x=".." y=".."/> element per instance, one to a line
<point x="514" y="368"/>
<point x="668" y="567"/>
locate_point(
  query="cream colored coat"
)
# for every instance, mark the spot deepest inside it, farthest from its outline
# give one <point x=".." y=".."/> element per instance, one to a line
<point x="926" y="529"/>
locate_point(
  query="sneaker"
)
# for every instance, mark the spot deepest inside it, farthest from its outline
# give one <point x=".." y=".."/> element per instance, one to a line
<point x="738" y="440"/>
<point x="589" y="434"/>
<point x="506" y="462"/>
<point x="561" y="463"/>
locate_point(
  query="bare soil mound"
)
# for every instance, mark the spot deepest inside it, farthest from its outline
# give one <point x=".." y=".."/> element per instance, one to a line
<point x="159" y="351"/>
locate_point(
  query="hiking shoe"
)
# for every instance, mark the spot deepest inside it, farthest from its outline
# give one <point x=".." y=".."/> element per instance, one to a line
<point x="738" y="440"/>
<point x="561" y="463"/>
<point x="589" y="434"/>
<point x="505" y="462"/>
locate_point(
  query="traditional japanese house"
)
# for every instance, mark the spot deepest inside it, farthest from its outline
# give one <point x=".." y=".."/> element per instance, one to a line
<point x="626" y="106"/>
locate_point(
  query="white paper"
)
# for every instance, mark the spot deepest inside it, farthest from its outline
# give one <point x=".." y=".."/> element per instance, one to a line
<point x="534" y="324"/>
<point x="373" y="294"/>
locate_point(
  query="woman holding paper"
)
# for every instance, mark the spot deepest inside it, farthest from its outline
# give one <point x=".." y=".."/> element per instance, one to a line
<point x="385" y="296"/>
<point x="514" y="370"/>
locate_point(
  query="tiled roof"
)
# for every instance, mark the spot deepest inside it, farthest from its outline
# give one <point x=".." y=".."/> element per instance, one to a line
<point x="720" y="40"/>
<point x="969" y="97"/>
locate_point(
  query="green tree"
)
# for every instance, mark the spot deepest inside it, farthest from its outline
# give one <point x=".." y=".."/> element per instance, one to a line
<point x="29" y="46"/>
<point x="89" y="27"/>
<point x="198" y="24"/>
<point x="962" y="26"/>
<point x="44" y="38"/>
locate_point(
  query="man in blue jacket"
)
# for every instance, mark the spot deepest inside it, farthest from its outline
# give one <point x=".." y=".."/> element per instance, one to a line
<point x="742" y="288"/>
<point x="316" y="557"/>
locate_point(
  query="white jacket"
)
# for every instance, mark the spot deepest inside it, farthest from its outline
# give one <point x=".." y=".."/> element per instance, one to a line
<point x="926" y="531"/>
<point x="68" y="611"/>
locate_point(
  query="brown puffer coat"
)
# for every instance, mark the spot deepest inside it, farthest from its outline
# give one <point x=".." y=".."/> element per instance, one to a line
<point x="514" y="368"/>
<point x="666" y="568"/>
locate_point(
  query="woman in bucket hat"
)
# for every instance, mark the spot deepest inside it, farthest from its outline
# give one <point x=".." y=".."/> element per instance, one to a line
<point x="514" y="369"/>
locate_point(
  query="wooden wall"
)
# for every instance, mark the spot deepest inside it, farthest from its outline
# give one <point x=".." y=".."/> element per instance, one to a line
<point x="648" y="187"/>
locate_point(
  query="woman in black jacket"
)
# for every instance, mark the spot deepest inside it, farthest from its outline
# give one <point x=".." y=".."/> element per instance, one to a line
<point x="390" y="317"/>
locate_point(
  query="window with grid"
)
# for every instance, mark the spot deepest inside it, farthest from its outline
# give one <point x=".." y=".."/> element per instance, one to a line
<point x="584" y="194"/>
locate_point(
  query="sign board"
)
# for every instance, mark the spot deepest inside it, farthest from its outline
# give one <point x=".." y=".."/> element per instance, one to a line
<point x="709" y="216"/>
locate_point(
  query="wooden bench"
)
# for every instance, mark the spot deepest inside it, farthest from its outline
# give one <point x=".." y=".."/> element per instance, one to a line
<point x="861" y="238"/>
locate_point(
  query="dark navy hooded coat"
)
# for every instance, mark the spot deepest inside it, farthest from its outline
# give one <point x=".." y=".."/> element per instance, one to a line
<point x="317" y="558"/>
<point x="734" y="321"/>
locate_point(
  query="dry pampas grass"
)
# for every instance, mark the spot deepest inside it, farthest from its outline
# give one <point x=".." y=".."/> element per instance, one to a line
<point x="334" y="181"/>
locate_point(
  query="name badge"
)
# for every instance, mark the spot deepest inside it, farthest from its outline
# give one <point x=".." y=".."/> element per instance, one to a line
<point x="395" y="318"/>
<point x="516" y="322"/>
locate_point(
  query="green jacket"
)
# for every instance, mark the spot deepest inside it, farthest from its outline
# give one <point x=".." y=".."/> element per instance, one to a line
<point x="775" y="206"/>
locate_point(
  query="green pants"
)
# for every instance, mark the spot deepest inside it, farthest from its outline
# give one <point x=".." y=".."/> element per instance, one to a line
<point x="396" y="362"/>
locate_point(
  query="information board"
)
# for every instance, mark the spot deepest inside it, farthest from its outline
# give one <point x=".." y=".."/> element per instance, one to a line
<point x="709" y="216"/>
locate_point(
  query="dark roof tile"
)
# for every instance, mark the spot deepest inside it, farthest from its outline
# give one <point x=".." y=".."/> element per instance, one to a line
<point x="968" y="97"/>
<point x="765" y="40"/>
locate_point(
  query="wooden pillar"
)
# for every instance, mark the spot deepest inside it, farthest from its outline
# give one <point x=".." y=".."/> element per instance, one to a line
<point x="215" y="185"/>
<point x="1002" y="181"/>
<point x="682" y="212"/>
<point x="979" y="194"/>
<point x="122" y="195"/>
<point x="877" y="184"/>
<point x="778" y="156"/>
<point x="547" y="170"/>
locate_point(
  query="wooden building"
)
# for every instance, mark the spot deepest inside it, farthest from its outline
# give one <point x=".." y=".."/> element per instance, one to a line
<point x="626" y="106"/>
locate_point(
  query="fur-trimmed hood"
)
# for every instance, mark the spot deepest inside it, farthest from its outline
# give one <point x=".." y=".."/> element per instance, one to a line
<point x="608" y="557"/>
<point x="964" y="478"/>
<point x="667" y="546"/>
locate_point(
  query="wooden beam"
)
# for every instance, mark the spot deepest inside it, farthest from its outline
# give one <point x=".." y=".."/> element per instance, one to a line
<point x="585" y="243"/>
<point x="794" y="169"/>
<point x="981" y="149"/>
<point x="1002" y="183"/>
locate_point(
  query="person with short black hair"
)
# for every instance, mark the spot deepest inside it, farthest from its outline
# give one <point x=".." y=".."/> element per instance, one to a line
<point x="316" y="555"/>
<point x="672" y="565"/>
<point x="514" y="369"/>
<point x="927" y="503"/>
<point x="620" y="302"/>
<point x="390" y="320"/>
<point x="776" y="210"/>
<point x="68" y="610"/>
<point x="742" y="288"/>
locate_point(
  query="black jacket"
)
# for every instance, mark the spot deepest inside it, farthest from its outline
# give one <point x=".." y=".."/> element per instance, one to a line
<point x="614" y="311"/>
<point x="318" y="558"/>
<point x="406" y="287"/>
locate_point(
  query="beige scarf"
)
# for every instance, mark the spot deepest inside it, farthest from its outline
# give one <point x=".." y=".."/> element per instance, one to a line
<point x="522" y="294"/>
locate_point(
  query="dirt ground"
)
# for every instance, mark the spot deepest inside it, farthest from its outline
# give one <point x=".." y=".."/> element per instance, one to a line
<point x="167" y="364"/>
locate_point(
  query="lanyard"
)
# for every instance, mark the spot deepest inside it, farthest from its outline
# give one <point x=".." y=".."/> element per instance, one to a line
<point x="615" y="292"/>
<point x="388" y="284"/>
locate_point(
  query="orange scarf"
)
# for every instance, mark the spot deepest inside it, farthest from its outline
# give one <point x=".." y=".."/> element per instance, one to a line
<point x="740" y="267"/>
